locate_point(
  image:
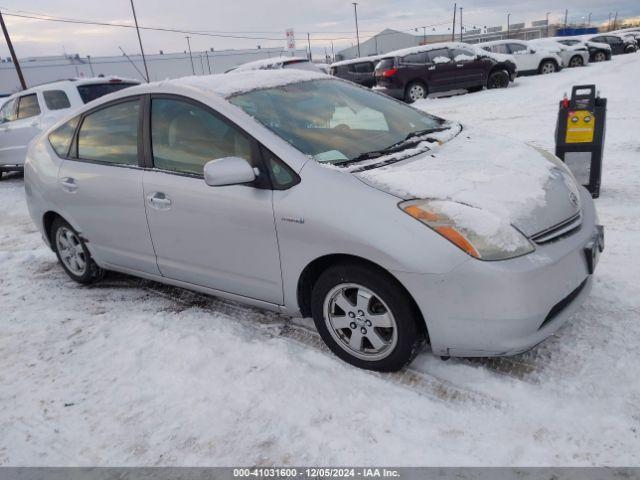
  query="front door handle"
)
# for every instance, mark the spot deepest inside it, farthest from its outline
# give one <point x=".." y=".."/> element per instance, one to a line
<point x="69" y="184"/>
<point x="159" y="201"/>
<point x="460" y="65"/>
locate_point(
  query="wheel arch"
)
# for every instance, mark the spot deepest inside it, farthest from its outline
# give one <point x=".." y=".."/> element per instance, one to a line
<point x="548" y="59"/>
<point x="413" y="81"/>
<point x="314" y="269"/>
<point x="47" y="222"/>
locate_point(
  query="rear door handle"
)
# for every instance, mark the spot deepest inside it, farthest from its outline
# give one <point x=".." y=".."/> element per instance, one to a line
<point x="159" y="201"/>
<point x="69" y="184"/>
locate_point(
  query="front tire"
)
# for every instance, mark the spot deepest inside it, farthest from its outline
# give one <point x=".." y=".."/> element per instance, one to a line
<point x="576" y="61"/>
<point x="599" y="57"/>
<point x="73" y="254"/>
<point x="415" y="91"/>
<point x="366" y="318"/>
<point x="547" y="67"/>
<point x="498" y="79"/>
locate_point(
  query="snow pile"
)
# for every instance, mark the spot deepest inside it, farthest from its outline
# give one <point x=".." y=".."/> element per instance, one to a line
<point x="505" y="177"/>
<point x="232" y="83"/>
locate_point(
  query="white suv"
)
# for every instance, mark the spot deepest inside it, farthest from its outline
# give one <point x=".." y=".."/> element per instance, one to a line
<point x="571" y="55"/>
<point x="529" y="59"/>
<point x="27" y="113"/>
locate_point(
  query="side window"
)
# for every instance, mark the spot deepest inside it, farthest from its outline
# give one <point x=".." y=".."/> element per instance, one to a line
<point x="598" y="40"/>
<point x="8" y="111"/>
<point x="60" y="138"/>
<point x="500" y="48"/>
<point x="56" y="99"/>
<point x="440" y="55"/>
<point x="518" y="48"/>
<point x="281" y="174"/>
<point x="614" y="40"/>
<point x="28" y="106"/>
<point x="111" y="134"/>
<point x="462" y="55"/>
<point x="364" y="67"/>
<point x="184" y="137"/>
<point x="415" y="58"/>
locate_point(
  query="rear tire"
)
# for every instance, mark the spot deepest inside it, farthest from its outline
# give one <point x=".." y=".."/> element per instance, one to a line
<point x="547" y="67"/>
<point x="576" y="61"/>
<point x="415" y="91"/>
<point x="498" y="79"/>
<point x="366" y="318"/>
<point x="73" y="254"/>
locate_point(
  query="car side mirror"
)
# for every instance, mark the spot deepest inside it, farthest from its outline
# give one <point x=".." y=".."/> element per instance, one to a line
<point x="228" y="171"/>
<point x="532" y="51"/>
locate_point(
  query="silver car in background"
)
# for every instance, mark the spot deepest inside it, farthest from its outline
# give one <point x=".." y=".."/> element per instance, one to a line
<point x="308" y="195"/>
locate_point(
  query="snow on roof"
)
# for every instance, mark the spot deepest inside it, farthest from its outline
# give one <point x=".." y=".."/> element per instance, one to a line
<point x="370" y="58"/>
<point x="269" y="63"/>
<point x="239" y="81"/>
<point x="425" y="48"/>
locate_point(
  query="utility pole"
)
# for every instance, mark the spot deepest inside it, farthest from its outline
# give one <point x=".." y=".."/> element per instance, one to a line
<point x="615" y="21"/>
<point x="566" y="17"/>
<point x="355" y="12"/>
<point x="333" y="55"/>
<point x="424" y="36"/>
<point x="508" y="25"/>
<point x="144" y="60"/>
<point x="453" y="29"/>
<point x="206" y="54"/>
<point x="90" y="65"/>
<point x="309" y="45"/>
<point x="190" y="56"/>
<point x="14" y="59"/>
<point x="548" y="23"/>
<point x="461" y="26"/>
<point x="589" y="20"/>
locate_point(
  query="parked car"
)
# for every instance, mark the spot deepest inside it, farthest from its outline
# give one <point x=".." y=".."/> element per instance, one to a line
<point x="633" y="36"/>
<point x="598" y="52"/>
<point x="270" y="190"/>
<point x="277" y="63"/>
<point x="358" y="70"/>
<point x="619" y="44"/>
<point x="571" y="55"/>
<point x="29" y="112"/>
<point x="413" y="73"/>
<point x="529" y="59"/>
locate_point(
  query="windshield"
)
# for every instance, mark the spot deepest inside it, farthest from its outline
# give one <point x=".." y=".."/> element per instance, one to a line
<point x="334" y="121"/>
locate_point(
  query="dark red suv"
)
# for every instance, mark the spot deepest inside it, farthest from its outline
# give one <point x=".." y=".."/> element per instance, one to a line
<point x="413" y="73"/>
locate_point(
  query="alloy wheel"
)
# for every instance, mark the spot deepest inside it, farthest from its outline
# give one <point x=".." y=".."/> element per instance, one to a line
<point x="360" y="322"/>
<point x="599" y="57"/>
<point x="71" y="251"/>
<point x="575" y="62"/>
<point x="417" y="92"/>
<point x="547" y="68"/>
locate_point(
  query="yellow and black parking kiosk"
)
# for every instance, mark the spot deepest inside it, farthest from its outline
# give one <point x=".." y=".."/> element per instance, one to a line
<point x="580" y="135"/>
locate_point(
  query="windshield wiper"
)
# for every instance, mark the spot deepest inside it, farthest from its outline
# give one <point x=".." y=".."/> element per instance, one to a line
<point x="409" y="141"/>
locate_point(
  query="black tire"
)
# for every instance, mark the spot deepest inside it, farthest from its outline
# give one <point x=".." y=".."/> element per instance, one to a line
<point x="599" y="56"/>
<point x="547" y="66"/>
<point x="91" y="272"/>
<point x="498" y="79"/>
<point x="409" y="95"/>
<point x="409" y="326"/>
<point x="576" y="61"/>
<point x="1" y="174"/>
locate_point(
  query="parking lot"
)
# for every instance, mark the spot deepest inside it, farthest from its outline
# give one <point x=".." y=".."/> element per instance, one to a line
<point x="129" y="372"/>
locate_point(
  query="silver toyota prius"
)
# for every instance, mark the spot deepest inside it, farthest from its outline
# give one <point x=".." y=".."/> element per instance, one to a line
<point x="301" y="193"/>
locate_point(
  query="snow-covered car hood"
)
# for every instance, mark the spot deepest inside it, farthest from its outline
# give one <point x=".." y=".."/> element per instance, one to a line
<point x="508" y="179"/>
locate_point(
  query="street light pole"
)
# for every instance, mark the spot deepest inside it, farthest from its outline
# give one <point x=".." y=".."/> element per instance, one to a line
<point x="14" y="59"/>
<point x="461" y="27"/>
<point x="508" y="25"/>
<point x="190" y="56"/>
<point x="144" y="60"/>
<point x="453" y="28"/>
<point x="548" y="23"/>
<point x="589" y="21"/>
<point x="355" y="12"/>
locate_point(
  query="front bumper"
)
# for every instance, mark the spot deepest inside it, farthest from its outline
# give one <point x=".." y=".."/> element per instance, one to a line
<point x="11" y="168"/>
<point x="506" y="307"/>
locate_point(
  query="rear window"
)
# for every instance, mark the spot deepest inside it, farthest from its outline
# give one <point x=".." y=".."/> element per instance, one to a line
<point x="97" y="90"/>
<point x="60" y="138"/>
<point x="364" y="67"/>
<point x="56" y="99"/>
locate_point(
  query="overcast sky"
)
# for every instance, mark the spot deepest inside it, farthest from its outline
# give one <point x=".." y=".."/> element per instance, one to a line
<point x="324" y="19"/>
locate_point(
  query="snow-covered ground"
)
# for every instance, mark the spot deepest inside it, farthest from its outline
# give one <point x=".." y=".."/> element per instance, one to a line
<point x="129" y="372"/>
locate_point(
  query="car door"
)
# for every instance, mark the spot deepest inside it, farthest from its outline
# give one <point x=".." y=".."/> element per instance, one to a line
<point x="525" y="60"/>
<point x="469" y="68"/>
<point x="616" y="44"/>
<point x="101" y="187"/>
<point x="223" y="237"/>
<point x="441" y="71"/>
<point x="21" y="129"/>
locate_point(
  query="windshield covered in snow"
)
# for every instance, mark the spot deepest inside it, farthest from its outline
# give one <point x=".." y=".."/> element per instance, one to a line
<point x="335" y="122"/>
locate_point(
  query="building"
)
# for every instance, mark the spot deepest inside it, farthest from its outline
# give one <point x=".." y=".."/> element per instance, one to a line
<point x="386" y="41"/>
<point x="40" y="70"/>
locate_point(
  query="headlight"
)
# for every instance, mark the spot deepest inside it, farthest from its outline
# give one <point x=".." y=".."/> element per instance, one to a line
<point x="479" y="233"/>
